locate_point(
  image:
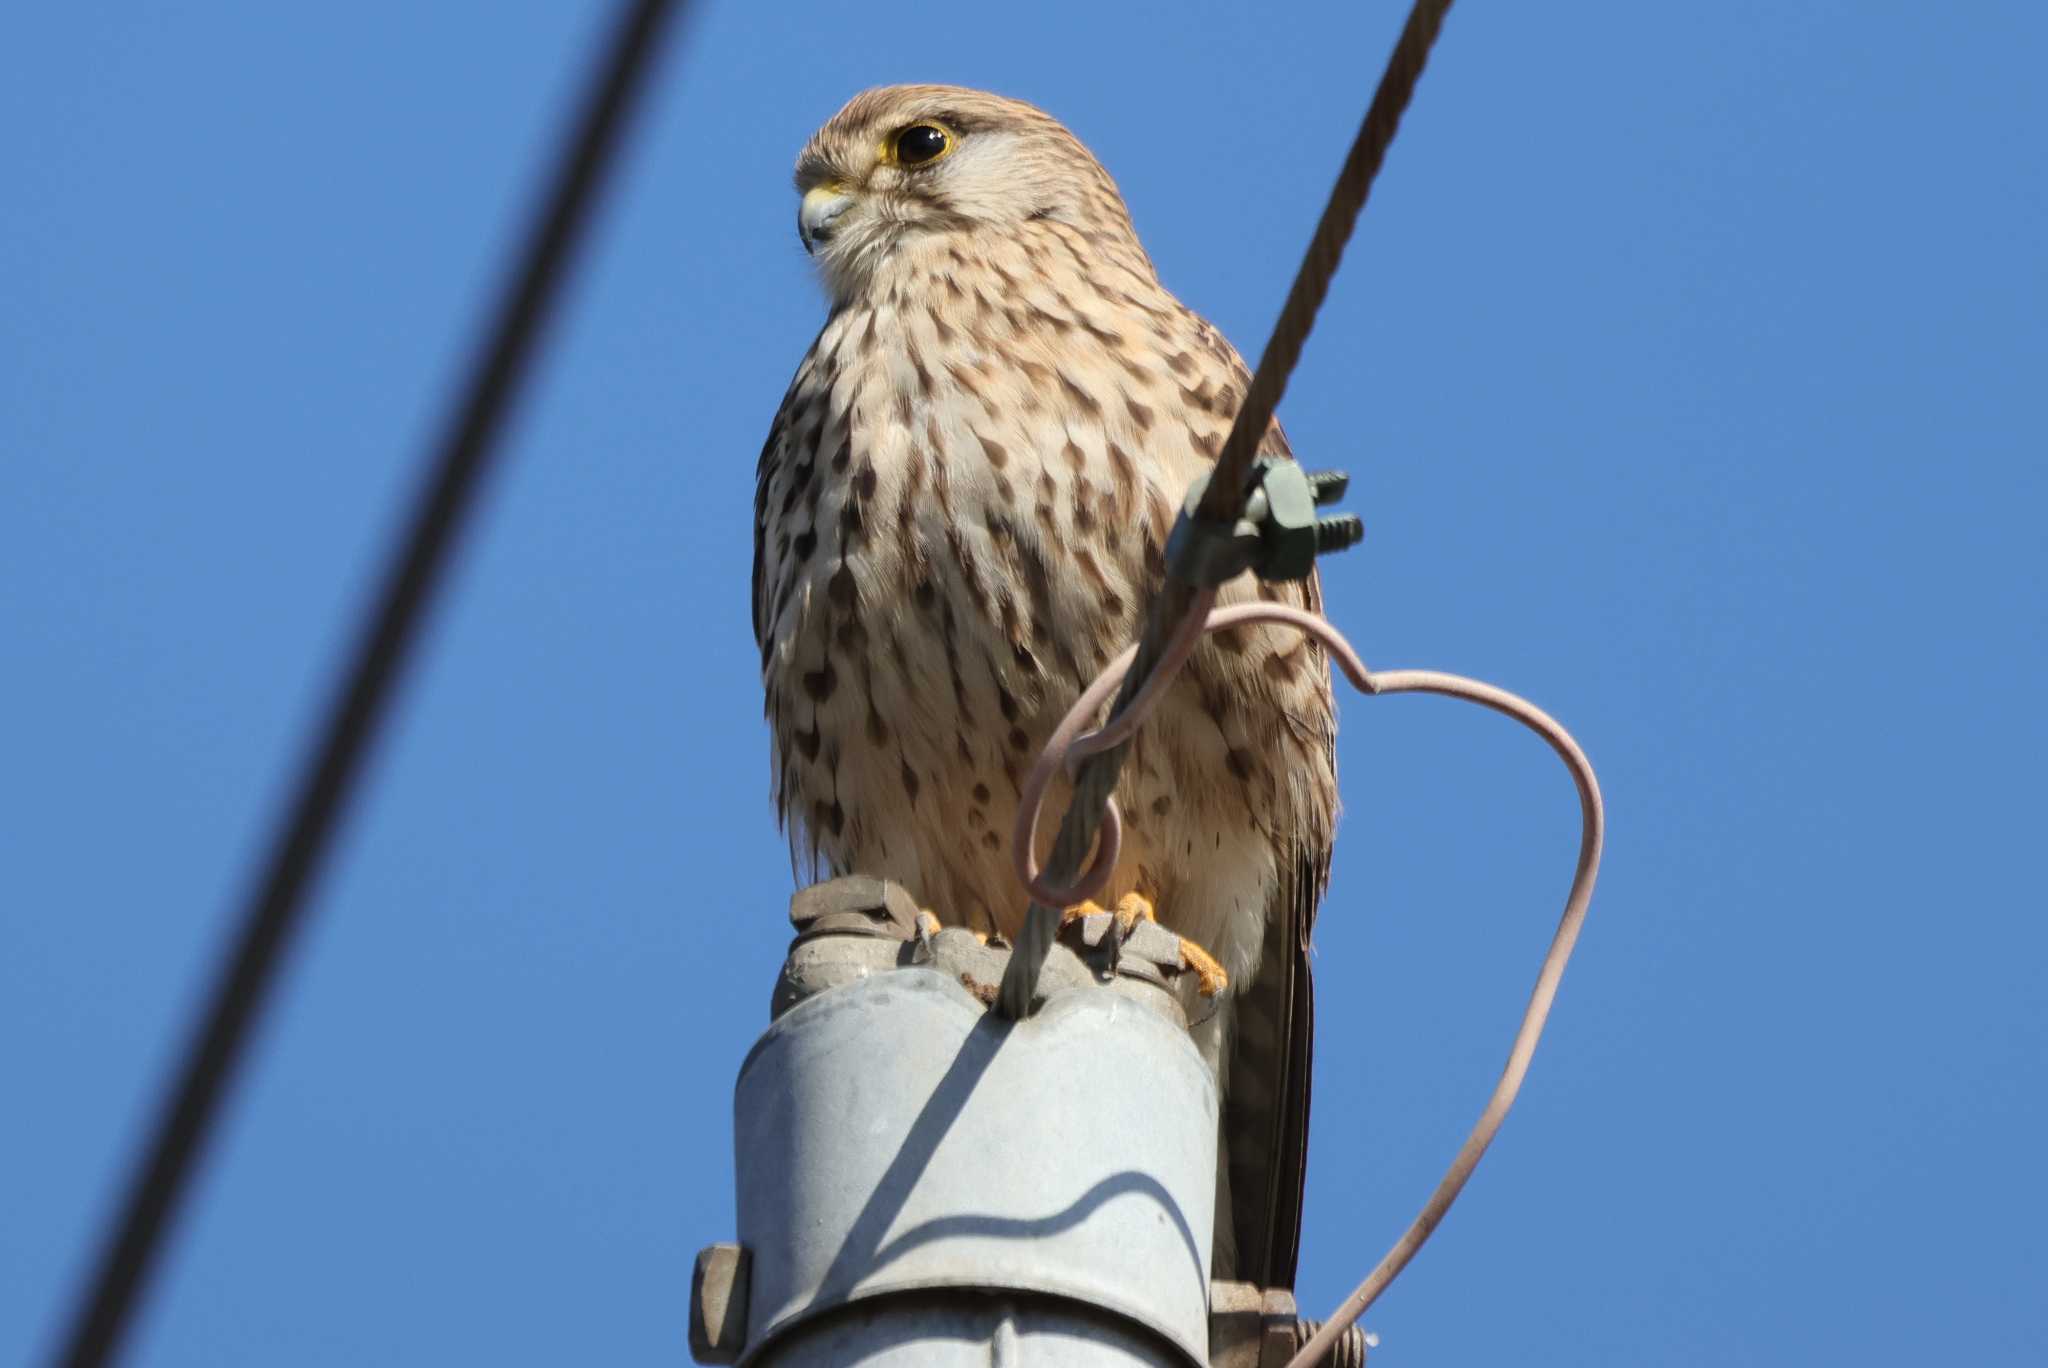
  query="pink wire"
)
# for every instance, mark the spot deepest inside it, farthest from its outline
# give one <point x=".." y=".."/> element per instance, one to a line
<point x="1069" y="744"/>
<point x="1067" y="747"/>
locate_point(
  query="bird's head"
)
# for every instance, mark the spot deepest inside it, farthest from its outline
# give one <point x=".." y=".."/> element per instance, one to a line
<point x="900" y="164"/>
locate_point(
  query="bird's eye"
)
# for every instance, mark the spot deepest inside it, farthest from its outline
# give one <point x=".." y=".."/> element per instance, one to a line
<point x="921" y="143"/>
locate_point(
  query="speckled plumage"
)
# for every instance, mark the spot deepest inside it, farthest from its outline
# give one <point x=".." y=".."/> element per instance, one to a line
<point x="961" y="509"/>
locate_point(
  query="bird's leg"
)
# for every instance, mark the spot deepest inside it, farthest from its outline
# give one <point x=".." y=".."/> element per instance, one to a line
<point x="1210" y="977"/>
<point x="929" y="925"/>
<point x="1133" y="908"/>
<point x="1081" y="911"/>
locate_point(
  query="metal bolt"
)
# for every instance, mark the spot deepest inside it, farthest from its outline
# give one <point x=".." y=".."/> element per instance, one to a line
<point x="1328" y="486"/>
<point x="1339" y="532"/>
<point x="1347" y="1352"/>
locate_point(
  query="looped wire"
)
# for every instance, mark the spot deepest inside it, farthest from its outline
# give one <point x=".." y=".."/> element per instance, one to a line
<point x="1069" y="744"/>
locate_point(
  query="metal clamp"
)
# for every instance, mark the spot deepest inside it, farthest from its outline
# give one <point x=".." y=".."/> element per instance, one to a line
<point x="1278" y="537"/>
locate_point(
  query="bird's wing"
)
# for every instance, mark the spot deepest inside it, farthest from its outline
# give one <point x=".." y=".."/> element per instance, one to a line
<point x="1271" y="1042"/>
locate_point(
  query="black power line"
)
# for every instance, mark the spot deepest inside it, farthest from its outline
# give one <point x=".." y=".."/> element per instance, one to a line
<point x="276" y="907"/>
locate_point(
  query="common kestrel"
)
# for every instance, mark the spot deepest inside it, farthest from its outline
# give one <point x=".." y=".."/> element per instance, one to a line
<point x="962" y="508"/>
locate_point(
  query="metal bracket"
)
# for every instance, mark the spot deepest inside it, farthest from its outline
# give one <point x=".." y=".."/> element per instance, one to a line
<point x="856" y="925"/>
<point x="855" y="905"/>
<point x="1260" y="1327"/>
<point x="1249" y="1327"/>
<point x="718" y="1304"/>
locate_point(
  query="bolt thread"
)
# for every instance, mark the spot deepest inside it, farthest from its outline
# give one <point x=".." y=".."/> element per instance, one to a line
<point x="1347" y="1352"/>
<point x="1339" y="532"/>
<point x="1328" y="485"/>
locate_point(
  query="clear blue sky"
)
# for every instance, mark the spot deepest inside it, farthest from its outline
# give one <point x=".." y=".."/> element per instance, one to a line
<point x="1690" y="363"/>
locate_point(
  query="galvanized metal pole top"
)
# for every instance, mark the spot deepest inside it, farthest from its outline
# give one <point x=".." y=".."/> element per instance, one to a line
<point x="922" y="1181"/>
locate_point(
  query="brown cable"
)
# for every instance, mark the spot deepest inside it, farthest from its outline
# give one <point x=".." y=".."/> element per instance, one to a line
<point x="277" y="903"/>
<point x="1224" y="500"/>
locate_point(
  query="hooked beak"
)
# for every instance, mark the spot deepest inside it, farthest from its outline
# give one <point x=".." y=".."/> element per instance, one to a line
<point x="822" y="204"/>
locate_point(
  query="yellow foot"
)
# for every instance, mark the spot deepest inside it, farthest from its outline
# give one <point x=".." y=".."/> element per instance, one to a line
<point x="1132" y="908"/>
<point x="1080" y="911"/>
<point x="1209" y="976"/>
<point x="929" y="925"/>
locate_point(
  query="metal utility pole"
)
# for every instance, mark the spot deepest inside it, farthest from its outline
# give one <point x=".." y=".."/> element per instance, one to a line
<point x="921" y="1181"/>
